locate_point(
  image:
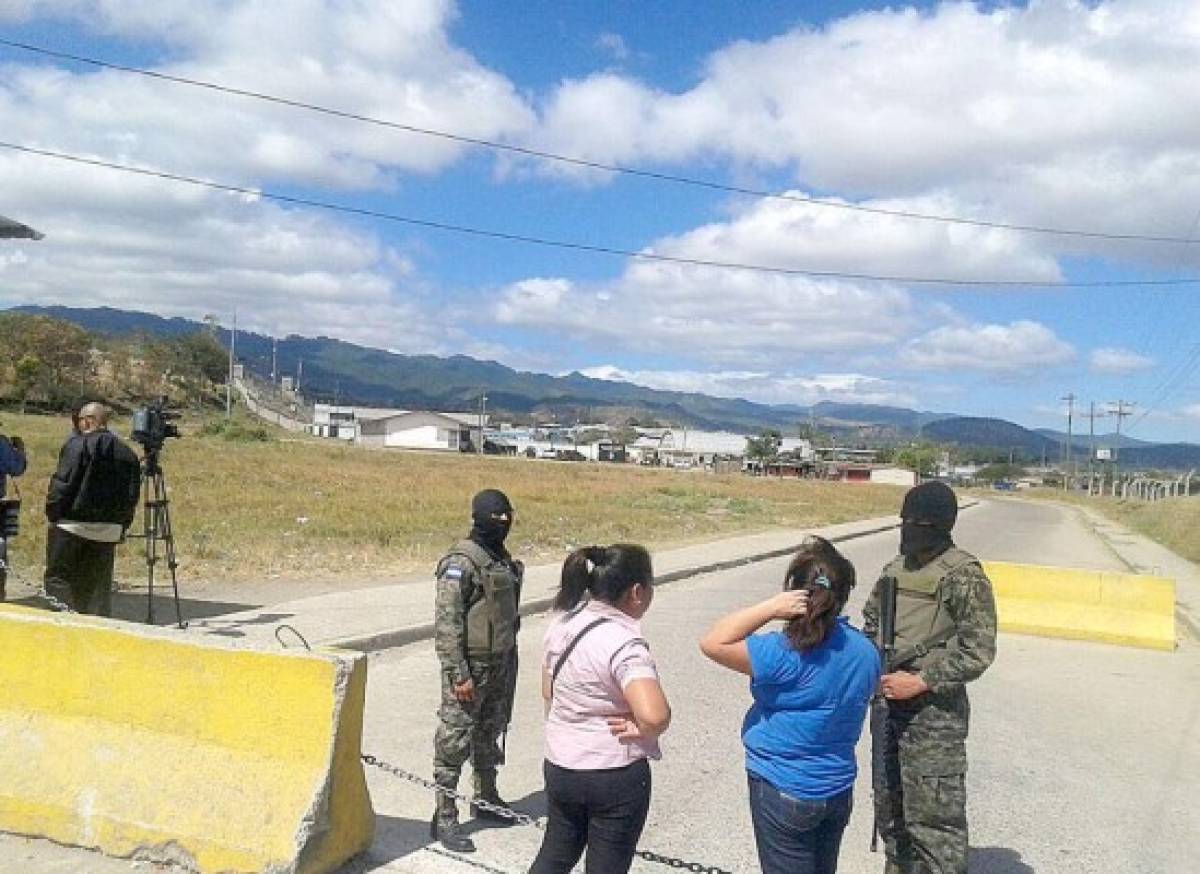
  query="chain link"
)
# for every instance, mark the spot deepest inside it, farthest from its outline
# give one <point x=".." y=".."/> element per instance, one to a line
<point x="524" y="819"/>
<point x="498" y="809"/>
<point x="673" y="862"/>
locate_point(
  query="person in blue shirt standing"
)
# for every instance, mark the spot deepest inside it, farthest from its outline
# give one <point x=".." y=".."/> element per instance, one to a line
<point x="12" y="463"/>
<point x="811" y="684"/>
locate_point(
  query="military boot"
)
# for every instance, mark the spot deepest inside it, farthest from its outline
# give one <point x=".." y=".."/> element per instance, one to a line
<point x="444" y="827"/>
<point x="485" y="790"/>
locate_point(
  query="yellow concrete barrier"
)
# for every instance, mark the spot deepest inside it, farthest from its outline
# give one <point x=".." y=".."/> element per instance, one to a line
<point x="147" y="743"/>
<point x="1125" y="609"/>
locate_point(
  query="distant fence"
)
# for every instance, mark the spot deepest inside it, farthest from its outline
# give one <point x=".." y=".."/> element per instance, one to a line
<point x="268" y="409"/>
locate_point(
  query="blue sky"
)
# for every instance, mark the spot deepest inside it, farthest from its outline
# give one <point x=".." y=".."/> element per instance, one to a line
<point x="1055" y="113"/>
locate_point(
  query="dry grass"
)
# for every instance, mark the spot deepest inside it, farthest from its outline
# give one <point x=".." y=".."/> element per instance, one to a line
<point x="306" y="508"/>
<point x="1173" y="523"/>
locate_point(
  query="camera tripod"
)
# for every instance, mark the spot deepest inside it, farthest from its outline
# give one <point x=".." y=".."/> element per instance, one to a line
<point x="156" y="527"/>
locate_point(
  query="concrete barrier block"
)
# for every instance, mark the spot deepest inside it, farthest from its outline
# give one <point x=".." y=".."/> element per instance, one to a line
<point x="140" y="742"/>
<point x="1125" y="609"/>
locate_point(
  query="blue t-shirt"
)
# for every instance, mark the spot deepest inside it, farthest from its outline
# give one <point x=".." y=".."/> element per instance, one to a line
<point x="808" y="710"/>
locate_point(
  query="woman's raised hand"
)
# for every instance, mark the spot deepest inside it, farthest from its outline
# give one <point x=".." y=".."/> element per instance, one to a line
<point x="788" y="605"/>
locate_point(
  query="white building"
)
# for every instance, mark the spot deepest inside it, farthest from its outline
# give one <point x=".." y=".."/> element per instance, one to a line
<point x="421" y="430"/>
<point x="893" y="476"/>
<point x="343" y="422"/>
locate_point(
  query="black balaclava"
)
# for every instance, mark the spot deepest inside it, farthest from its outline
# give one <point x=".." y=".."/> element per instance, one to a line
<point x="491" y="518"/>
<point x="927" y="518"/>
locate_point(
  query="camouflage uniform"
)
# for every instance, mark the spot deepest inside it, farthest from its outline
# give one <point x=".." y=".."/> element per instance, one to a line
<point x="475" y="638"/>
<point x="921" y="796"/>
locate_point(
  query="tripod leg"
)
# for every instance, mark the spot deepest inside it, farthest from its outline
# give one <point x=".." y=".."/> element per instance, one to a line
<point x="150" y="535"/>
<point x="168" y="537"/>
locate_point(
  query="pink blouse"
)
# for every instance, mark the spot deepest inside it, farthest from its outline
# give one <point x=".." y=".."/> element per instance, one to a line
<point x="590" y="688"/>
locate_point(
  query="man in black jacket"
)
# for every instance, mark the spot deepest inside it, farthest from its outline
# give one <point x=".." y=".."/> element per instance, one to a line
<point x="92" y="499"/>
<point x="12" y="463"/>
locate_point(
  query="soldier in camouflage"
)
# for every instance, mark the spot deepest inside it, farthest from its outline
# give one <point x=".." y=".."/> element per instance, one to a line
<point x="476" y="621"/>
<point x="945" y="637"/>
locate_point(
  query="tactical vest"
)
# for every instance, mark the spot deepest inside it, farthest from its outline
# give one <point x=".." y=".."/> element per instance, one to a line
<point x="921" y="617"/>
<point x="490" y="604"/>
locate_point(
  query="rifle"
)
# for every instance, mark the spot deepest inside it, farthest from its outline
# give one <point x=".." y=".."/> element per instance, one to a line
<point x="885" y="642"/>
<point x="514" y="663"/>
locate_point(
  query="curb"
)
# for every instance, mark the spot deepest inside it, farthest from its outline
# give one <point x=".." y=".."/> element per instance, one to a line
<point x="396" y="637"/>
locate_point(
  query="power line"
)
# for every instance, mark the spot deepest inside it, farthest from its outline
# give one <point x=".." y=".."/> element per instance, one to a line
<point x="586" y="247"/>
<point x="595" y="165"/>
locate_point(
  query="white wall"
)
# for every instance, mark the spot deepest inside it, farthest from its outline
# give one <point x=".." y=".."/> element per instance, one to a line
<point x="893" y="476"/>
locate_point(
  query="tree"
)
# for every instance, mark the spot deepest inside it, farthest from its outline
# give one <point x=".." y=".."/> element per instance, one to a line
<point x="922" y="459"/>
<point x="765" y="446"/>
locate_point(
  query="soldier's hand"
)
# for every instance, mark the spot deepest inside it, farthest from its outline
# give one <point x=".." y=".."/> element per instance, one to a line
<point x="465" y="691"/>
<point x="902" y="685"/>
<point x="623" y="728"/>
<point x="788" y="605"/>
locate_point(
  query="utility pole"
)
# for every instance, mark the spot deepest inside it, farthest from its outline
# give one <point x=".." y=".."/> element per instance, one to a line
<point x="1092" y="417"/>
<point x="1067" y="471"/>
<point x="274" y="360"/>
<point x="1122" y="410"/>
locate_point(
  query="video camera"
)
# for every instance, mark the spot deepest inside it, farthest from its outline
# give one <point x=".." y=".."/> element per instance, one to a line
<point x="153" y="424"/>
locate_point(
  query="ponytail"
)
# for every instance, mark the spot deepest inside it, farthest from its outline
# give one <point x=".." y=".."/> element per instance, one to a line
<point x="603" y="572"/>
<point x="828" y="577"/>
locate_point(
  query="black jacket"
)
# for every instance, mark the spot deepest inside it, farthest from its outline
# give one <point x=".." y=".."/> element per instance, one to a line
<point x="98" y="480"/>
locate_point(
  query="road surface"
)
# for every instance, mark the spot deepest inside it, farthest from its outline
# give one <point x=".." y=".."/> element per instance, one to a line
<point x="1084" y="757"/>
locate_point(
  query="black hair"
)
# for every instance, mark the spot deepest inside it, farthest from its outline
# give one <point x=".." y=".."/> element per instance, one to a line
<point x="827" y="576"/>
<point x="604" y="572"/>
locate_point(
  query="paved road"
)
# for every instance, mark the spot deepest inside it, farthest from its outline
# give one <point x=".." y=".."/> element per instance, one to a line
<point x="1084" y="757"/>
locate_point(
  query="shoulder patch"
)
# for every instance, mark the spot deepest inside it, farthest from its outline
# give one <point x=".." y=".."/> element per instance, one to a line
<point x="453" y="572"/>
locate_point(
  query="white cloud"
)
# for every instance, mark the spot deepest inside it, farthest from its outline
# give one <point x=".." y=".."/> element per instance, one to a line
<point x="1060" y="112"/>
<point x="1118" y="361"/>
<point x="764" y="386"/>
<point x="124" y="241"/>
<point x="720" y="317"/>
<point x="391" y="61"/>
<point x="1192" y="411"/>
<point x="1018" y="347"/>
<point x="131" y="242"/>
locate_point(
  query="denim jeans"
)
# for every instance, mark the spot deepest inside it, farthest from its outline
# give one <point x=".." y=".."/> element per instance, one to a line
<point x="797" y="835"/>
<point x="601" y="810"/>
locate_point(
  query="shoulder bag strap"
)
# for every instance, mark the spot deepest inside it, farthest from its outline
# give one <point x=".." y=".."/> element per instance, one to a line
<point x="562" y="659"/>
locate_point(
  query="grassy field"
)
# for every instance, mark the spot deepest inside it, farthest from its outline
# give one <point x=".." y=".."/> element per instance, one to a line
<point x="301" y="508"/>
<point x="1174" y="523"/>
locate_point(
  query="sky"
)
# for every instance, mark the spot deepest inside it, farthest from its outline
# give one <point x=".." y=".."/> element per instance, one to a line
<point x="1053" y="113"/>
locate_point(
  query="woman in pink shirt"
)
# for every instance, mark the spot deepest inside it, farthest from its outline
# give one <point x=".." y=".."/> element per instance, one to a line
<point x="605" y="710"/>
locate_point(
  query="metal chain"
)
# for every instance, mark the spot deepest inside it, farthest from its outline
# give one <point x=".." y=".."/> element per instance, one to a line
<point x="524" y="819"/>
<point x="672" y="862"/>
<point x="498" y="809"/>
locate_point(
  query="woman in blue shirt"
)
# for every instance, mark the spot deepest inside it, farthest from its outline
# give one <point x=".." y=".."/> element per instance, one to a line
<point x="811" y="684"/>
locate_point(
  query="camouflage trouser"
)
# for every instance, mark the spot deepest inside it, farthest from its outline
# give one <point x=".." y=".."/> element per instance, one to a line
<point x="921" y="803"/>
<point x="471" y="730"/>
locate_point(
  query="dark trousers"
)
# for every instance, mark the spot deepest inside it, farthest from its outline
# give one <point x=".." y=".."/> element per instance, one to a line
<point x="3" y="566"/>
<point x="79" y="572"/>
<point x="602" y="810"/>
<point x="797" y="835"/>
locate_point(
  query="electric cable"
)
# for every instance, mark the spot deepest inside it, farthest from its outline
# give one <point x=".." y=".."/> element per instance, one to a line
<point x="592" y="248"/>
<point x="602" y="166"/>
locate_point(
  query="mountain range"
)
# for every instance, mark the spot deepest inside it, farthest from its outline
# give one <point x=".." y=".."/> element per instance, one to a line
<point x="334" y="370"/>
